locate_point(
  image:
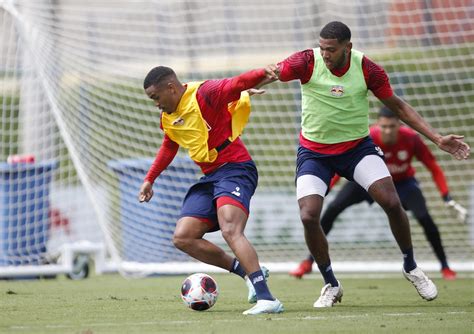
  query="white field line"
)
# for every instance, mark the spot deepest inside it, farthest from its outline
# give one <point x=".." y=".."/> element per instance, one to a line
<point x="179" y="322"/>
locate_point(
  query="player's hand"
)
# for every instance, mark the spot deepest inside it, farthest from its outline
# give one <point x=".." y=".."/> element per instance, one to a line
<point x="461" y="212"/>
<point x="255" y="91"/>
<point x="453" y="144"/>
<point x="146" y="192"/>
<point x="272" y="71"/>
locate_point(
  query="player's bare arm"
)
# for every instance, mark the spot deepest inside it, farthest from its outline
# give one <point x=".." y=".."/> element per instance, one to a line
<point x="450" y="143"/>
<point x="165" y="155"/>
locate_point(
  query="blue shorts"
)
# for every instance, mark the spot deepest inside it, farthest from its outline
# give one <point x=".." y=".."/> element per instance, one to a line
<point x="324" y="166"/>
<point x="235" y="180"/>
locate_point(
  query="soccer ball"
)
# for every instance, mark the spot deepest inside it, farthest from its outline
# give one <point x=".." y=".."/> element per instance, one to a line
<point x="199" y="292"/>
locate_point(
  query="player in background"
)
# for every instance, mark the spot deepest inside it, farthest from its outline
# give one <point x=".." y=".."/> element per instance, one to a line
<point x="335" y="80"/>
<point x="207" y="118"/>
<point x="399" y="144"/>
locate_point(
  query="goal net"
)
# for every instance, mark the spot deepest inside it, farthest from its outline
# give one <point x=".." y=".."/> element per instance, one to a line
<point x="71" y="98"/>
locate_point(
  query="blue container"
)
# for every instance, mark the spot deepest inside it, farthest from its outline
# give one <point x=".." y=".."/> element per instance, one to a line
<point x="24" y="208"/>
<point x="147" y="228"/>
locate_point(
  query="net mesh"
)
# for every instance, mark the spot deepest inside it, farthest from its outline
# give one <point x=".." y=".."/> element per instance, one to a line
<point x="71" y="95"/>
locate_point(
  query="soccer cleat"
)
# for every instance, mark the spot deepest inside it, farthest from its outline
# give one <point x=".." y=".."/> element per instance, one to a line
<point x="425" y="287"/>
<point x="329" y="296"/>
<point x="448" y="274"/>
<point x="265" y="306"/>
<point x="305" y="267"/>
<point x="252" y="297"/>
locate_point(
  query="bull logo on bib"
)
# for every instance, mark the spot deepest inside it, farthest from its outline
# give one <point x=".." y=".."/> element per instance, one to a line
<point x="337" y="91"/>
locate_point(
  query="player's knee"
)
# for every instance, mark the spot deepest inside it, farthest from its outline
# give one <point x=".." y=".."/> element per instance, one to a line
<point x="391" y="204"/>
<point x="231" y="223"/>
<point x="309" y="218"/>
<point x="230" y="232"/>
<point x="181" y="242"/>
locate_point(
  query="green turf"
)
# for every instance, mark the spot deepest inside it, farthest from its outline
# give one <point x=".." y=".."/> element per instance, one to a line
<point x="112" y="304"/>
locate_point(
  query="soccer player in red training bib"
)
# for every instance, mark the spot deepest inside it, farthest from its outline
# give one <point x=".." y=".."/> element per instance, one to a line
<point x="399" y="144"/>
<point x="207" y="118"/>
<point x="335" y="138"/>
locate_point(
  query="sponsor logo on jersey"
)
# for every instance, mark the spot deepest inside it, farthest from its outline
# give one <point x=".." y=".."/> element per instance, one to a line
<point x="402" y="155"/>
<point x="337" y="91"/>
<point x="179" y="121"/>
<point x="236" y="192"/>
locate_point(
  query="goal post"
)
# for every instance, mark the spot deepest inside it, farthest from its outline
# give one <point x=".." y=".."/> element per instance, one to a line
<point x="71" y="94"/>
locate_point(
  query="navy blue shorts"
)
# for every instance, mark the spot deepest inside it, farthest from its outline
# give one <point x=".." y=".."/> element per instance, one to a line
<point x="235" y="180"/>
<point x="324" y="166"/>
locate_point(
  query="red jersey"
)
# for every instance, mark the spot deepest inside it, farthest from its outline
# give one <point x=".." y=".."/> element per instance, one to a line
<point x="213" y="97"/>
<point x="300" y="65"/>
<point x="398" y="156"/>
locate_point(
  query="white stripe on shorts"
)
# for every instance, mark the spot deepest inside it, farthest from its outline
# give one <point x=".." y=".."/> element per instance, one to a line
<point x="310" y="185"/>
<point x="370" y="169"/>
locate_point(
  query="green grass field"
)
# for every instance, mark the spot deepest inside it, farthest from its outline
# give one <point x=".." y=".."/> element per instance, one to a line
<point x="112" y="304"/>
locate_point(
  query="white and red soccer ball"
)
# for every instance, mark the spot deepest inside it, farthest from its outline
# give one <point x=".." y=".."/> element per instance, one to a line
<point x="199" y="292"/>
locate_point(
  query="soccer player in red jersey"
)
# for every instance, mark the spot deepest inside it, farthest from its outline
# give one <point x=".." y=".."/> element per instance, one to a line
<point x="199" y="116"/>
<point x="335" y="80"/>
<point x="399" y="144"/>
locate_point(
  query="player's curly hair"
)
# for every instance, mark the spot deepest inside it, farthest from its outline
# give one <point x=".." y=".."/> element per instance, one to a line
<point x="157" y="75"/>
<point x="336" y="30"/>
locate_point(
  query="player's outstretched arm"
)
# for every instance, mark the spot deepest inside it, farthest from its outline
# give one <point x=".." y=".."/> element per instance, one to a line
<point x="298" y="66"/>
<point x="424" y="154"/>
<point x="272" y="72"/>
<point x="163" y="158"/>
<point x="450" y="143"/>
<point x="229" y="90"/>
